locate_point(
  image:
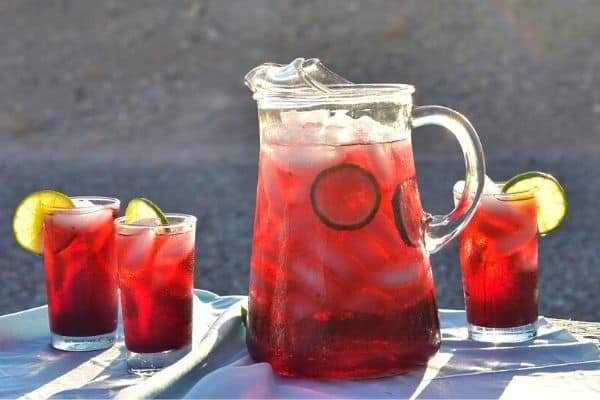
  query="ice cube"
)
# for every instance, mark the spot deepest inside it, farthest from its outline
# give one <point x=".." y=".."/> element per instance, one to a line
<point x="314" y="117"/>
<point x="82" y="222"/>
<point x="339" y="129"/>
<point x="334" y="134"/>
<point x="135" y="250"/>
<point x="335" y="261"/>
<point x="298" y="306"/>
<point x="365" y="124"/>
<point x="79" y="203"/>
<point x="381" y="159"/>
<point x="309" y="279"/>
<point x="340" y="118"/>
<point x="298" y="127"/>
<point x="175" y="248"/>
<point x="515" y="239"/>
<point x="490" y="187"/>
<point x="367" y="300"/>
<point x="398" y="275"/>
<point x="305" y="156"/>
<point x="526" y="259"/>
<point x="371" y="131"/>
<point x="291" y="120"/>
<point x="296" y="120"/>
<point x="458" y="188"/>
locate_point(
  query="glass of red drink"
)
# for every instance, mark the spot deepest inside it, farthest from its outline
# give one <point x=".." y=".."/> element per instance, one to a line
<point x="81" y="273"/>
<point x="156" y="277"/>
<point x="340" y="281"/>
<point x="499" y="262"/>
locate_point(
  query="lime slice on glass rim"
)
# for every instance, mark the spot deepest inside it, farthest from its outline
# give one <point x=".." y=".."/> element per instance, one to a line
<point x="29" y="216"/>
<point x="550" y="197"/>
<point x="141" y="208"/>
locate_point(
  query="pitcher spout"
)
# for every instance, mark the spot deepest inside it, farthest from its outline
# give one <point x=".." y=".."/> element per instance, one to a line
<point x="302" y="74"/>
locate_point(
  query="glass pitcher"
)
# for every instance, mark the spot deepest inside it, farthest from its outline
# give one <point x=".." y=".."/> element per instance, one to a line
<point x="340" y="280"/>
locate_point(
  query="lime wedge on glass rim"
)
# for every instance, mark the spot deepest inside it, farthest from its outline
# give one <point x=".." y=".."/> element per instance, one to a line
<point x="141" y="208"/>
<point x="29" y="216"/>
<point x="550" y="197"/>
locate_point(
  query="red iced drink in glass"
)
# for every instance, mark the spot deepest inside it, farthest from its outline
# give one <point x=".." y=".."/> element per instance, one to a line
<point x="156" y="275"/>
<point x="499" y="261"/>
<point x="81" y="273"/>
<point x="339" y="285"/>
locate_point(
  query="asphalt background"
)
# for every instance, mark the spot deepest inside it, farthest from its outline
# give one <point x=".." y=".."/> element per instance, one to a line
<point x="146" y="98"/>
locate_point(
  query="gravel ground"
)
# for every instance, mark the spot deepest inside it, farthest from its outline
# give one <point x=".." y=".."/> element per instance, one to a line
<point x="145" y="98"/>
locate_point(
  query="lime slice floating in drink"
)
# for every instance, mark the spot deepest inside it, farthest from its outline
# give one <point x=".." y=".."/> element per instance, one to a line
<point x="550" y="197"/>
<point x="141" y="208"/>
<point x="29" y="216"/>
<point x="345" y="197"/>
<point x="407" y="210"/>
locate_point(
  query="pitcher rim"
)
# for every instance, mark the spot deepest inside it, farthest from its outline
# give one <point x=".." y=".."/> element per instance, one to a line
<point x="339" y="93"/>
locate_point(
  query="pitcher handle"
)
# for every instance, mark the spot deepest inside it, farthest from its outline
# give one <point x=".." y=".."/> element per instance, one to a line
<point x="441" y="229"/>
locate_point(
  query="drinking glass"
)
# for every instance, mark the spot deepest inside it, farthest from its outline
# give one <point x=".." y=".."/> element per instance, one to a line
<point x="156" y="274"/>
<point x="499" y="262"/>
<point x="81" y="273"/>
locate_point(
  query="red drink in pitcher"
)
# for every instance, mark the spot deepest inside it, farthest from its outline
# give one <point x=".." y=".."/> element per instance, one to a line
<point x="340" y="280"/>
<point x="339" y="287"/>
<point x="81" y="273"/>
<point x="499" y="261"/>
<point x="156" y="275"/>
